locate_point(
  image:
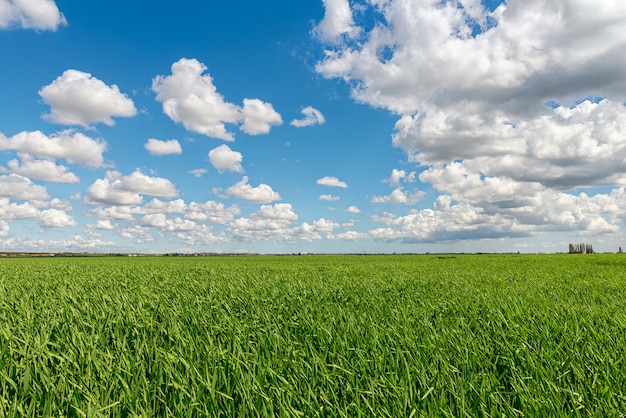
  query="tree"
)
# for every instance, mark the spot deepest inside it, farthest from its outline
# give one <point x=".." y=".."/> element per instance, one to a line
<point x="581" y="248"/>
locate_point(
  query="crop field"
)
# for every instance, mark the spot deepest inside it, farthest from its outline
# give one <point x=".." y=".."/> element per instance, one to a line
<point x="336" y="336"/>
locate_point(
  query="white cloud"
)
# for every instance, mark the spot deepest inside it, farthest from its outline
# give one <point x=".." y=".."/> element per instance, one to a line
<point x="105" y="225"/>
<point x="312" y="116"/>
<point x="103" y="191"/>
<point x="331" y="182"/>
<point x="15" y="211"/>
<point x="325" y="225"/>
<point x="4" y="229"/>
<point x="160" y="206"/>
<point x="158" y="147"/>
<point x="78" y="98"/>
<point x="154" y="213"/>
<point x="54" y="218"/>
<point x="198" y="172"/>
<point x="282" y="211"/>
<point x="527" y="52"/>
<point x="400" y="196"/>
<point x="225" y="159"/>
<point x="30" y="14"/>
<point x="400" y="175"/>
<point x="337" y="22"/>
<point x="18" y="187"/>
<point x="260" y="194"/>
<point x="50" y="217"/>
<point x="210" y="211"/>
<point x="350" y="235"/>
<point x="143" y="184"/>
<point x="161" y="221"/>
<point x="329" y="198"/>
<point x="201" y="234"/>
<point x="190" y="97"/>
<point x="42" y="170"/>
<point x="353" y="210"/>
<point x="258" y="117"/>
<point x="116" y="189"/>
<point x="269" y="222"/>
<point x="76" y="243"/>
<point x="74" y="147"/>
<point x="471" y="85"/>
<point x="140" y="234"/>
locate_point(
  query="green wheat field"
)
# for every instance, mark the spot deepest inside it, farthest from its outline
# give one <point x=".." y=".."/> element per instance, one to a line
<point x="327" y="336"/>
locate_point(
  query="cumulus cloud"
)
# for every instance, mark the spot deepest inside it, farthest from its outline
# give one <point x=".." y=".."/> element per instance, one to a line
<point x="11" y="211"/>
<point x="73" y="147"/>
<point x="198" y="172"/>
<point x="30" y="14"/>
<point x="201" y="234"/>
<point x="50" y="217"/>
<point x="42" y="170"/>
<point x="161" y="221"/>
<point x="4" y="228"/>
<point x="337" y="22"/>
<point x="260" y="194"/>
<point x="329" y="198"/>
<point x="325" y="225"/>
<point x="116" y="189"/>
<point x="210" y="211"/>
<point x="282" y="211"/>
<point x="353" y="210"/>
<point x="258" y="117"/>
<point x="54" y="218"/>
<point x="18" y="187"/>
<point x="105" y="225"/>
<point x="400" y="175"/>
<point x="504" y="110"/>
<point x="158" y="147"/>
<point x="311" y="115"/>
<point x="78" y="98"/>
<point x="271" y="222"/>
<point x="400" y="196"/>
<point x="190" y="97"/>
<point x="225" y="159"/>
<point x="331" y="182"/>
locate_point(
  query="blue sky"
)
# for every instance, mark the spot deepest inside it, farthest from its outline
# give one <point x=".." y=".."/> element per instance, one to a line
<point x="312" y="126"/>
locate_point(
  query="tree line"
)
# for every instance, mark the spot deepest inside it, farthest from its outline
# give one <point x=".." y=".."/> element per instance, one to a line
<point x="581" y="248"/>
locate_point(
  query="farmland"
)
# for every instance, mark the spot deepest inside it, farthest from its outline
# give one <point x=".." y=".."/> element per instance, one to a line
<point x="453" y="335"/>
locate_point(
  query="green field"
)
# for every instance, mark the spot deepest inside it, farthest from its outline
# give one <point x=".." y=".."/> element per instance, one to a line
<point x="385" y="336"/>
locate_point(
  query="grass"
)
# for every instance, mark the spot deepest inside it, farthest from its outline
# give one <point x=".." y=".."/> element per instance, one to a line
<point x="390" y="336"/>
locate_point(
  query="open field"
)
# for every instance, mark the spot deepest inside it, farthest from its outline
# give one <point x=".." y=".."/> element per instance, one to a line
<point x="464" y="335"/>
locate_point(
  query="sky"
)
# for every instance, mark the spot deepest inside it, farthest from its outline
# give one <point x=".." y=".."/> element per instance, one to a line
<point x="312" y="126"/>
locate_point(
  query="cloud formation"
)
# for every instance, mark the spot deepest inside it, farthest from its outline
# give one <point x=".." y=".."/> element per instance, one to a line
<point x="260" y="194"/>
<point x="78" y="98"/>
<point x="505" y="111"/>
<point x="42" y="170"/>
<point x="30" y="14"/>
<point x="73" y="147"/>
<point x="14" y="186"/>
<point x="190" y="97"/>
<point x="400" y="196"/>
<point x="158" y="147"/>
<point x="331" y="182"/>
<point x="225" y="159"/>
<point x="312" y="117"/>
<point x="337" y="22"/>
<point x="116" y="189"/>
